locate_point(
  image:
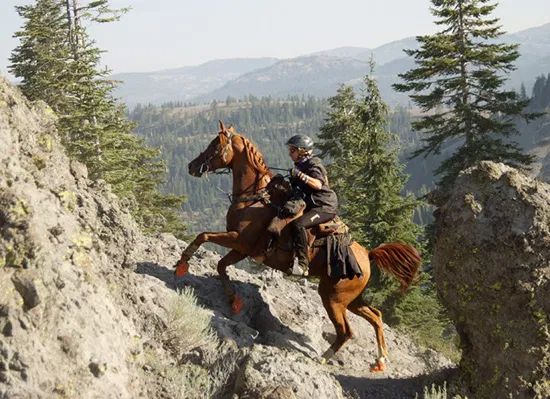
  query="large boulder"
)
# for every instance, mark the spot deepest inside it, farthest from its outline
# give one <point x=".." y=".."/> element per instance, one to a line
<point x="492" y="269"/>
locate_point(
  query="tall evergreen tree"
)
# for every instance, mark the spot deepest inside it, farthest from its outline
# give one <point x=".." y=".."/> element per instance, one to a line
<point x="40" y="59"/>
<point x="60" y="64"/>
<point x="365" y="170"/>
<point x="458" y="84"/>
<point x="338" y="130"/>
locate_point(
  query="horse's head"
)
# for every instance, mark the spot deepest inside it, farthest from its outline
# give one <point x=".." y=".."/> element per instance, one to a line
<point x="218" y="154"/>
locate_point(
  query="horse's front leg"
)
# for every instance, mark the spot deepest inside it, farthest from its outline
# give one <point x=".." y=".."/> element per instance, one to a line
<point x="231" y="258"/>
<point x="228" y="239"/>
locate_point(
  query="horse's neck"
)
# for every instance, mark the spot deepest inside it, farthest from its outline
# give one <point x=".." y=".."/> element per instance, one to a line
<point x="246" y="179"/>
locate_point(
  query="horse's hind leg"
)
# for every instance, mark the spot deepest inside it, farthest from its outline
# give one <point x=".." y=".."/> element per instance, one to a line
<point x="337" y="314"/>
<point x="374" y="317"/>
<point x="231" y="258"/>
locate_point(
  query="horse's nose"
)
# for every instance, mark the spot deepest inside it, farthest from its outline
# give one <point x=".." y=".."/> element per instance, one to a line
<point x="194" y="169"/>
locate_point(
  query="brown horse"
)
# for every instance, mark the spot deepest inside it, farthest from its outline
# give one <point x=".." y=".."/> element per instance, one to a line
<point x="246" y="235"/>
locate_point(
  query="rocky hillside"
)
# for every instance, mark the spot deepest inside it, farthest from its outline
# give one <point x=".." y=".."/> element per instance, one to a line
<point x="492" y="268"/>
<point x="89" y="307"/>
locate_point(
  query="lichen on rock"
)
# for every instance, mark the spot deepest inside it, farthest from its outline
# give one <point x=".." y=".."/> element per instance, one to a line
<point x="492" y="268"/>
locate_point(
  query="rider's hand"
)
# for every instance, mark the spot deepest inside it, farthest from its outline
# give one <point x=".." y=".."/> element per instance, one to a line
<point x="294" y="172"/>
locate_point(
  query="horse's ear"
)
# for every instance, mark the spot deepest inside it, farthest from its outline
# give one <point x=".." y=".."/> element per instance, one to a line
<point x="222" y="127"/>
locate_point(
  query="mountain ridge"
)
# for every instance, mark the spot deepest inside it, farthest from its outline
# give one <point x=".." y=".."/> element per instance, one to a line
<point x="218" y="79"/>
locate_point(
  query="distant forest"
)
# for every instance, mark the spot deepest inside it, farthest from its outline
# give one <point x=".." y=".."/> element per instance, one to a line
<point x="183" y="130"/>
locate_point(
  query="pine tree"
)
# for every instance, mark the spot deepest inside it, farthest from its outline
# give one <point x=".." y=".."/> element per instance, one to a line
<point x="365" y="170"/>
<point x="458" y="84"/>
<point x="40" y="60"/>
<point x="523" y="92"/>
<point x="537" y="102"/>
<point x="339" y="127"/>
<point x="60" y="64"/>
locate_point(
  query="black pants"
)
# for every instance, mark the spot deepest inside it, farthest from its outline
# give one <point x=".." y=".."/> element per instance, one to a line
<point x="309" y="219"/>
<point x="313" y="218"/>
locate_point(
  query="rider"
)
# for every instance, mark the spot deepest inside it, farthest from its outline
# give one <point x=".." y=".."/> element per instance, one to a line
<point x="308" y="178"/>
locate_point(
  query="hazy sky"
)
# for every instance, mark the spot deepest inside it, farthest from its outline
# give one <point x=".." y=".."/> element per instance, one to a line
<point x="161" y="34"/>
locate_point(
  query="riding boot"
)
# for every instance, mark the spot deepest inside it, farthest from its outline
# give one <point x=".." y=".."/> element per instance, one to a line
<point x="301" y="247"/>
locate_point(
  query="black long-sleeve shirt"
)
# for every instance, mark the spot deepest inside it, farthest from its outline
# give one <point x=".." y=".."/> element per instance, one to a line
<point x="325" y="199"/>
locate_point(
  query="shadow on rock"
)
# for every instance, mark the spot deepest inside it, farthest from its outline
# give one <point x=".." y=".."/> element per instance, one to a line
<point x="255" y="324"/>
<point x="394" y="388"/>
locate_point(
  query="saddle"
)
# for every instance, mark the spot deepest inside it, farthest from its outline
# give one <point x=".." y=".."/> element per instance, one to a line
<point x="317" y="234"/>
<point x="333" y="227"/>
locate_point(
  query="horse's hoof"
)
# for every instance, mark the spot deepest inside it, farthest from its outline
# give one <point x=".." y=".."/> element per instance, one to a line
<point x="378" y="367"/>
<point x="237" y="305"/>
<point x="182" y="267"/>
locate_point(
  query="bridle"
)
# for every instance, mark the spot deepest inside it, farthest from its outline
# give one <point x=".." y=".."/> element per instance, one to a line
<point x="220" y="152"/>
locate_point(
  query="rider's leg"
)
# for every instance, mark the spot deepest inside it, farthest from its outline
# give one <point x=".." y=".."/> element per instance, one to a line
<point x="309" y="219"/>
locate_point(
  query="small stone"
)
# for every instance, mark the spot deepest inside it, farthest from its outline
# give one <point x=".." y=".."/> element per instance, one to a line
<point x="29" y="287"/>
<point x="68" y="345"/>
<point x="59" y="283"/>
<point x="97" y="369"/>
<point x="56" y="231"/>
<point x="8" y="329"/>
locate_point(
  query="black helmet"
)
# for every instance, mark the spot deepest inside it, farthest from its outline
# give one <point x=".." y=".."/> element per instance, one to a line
<point x="301" y="141"/>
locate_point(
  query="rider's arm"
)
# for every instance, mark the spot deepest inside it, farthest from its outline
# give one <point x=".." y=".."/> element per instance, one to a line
<point x="312" y="182"/>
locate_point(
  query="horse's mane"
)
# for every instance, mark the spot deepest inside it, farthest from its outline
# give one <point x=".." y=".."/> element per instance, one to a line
<point x="255" y="157"/>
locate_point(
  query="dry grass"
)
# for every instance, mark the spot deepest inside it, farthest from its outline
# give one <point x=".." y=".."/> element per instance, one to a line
<point x="187" y="325"/>
<point x="188" y="330"/>
<point x="434" y="392"/>
<point x="190" y="382"/>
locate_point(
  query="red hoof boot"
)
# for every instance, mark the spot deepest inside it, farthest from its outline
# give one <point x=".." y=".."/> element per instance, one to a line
<point x="378" y="367"/>
<point x="237" y="305"/>
<point x="182" y="267"/>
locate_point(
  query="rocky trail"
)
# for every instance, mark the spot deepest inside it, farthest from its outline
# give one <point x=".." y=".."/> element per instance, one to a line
<point x="86" y="298"/>
<point x="285" y="323"/>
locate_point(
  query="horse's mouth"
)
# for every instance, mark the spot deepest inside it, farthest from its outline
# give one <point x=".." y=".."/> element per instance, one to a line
<point x="195" y="173"/>
<point x="196" y="169"/>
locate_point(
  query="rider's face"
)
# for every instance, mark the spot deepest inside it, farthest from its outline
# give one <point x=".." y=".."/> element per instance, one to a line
<point x="293" y="152"/>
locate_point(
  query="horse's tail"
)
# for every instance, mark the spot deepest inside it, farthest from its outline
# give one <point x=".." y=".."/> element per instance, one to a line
<point x="400" y="260"/>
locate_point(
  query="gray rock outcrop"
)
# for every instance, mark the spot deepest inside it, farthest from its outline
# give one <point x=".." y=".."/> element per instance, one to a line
<point x="492" y="268"/>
